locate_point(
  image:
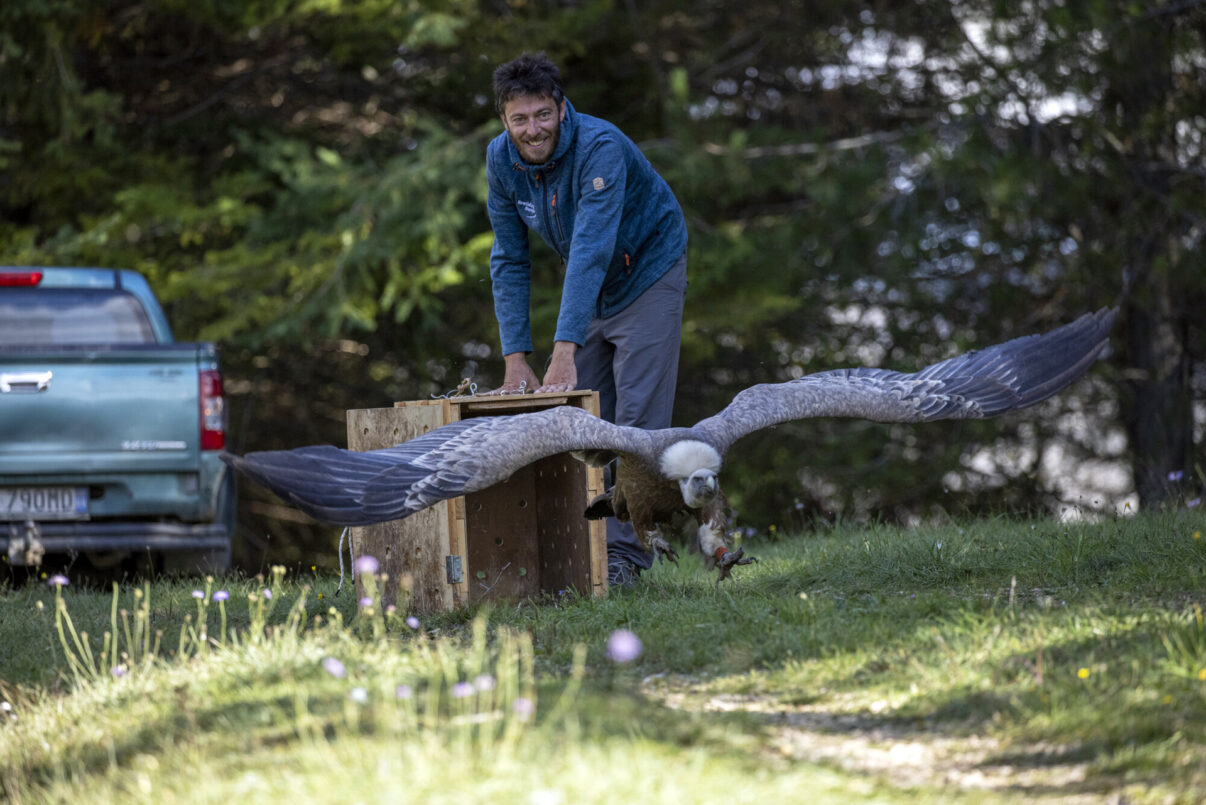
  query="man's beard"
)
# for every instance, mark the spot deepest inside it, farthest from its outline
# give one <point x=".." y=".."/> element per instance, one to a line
<point x="544" y="154"/>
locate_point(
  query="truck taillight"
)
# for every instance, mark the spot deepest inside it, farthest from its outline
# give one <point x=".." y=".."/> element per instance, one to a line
<point x="213" y="419"/>
<point x="25" y="279"/>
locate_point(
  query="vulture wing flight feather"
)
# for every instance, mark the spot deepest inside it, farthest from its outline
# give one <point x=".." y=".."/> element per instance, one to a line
<point x="359" y="488"/>
<point x="347" y="487"/>
<point x="976" y="385"/>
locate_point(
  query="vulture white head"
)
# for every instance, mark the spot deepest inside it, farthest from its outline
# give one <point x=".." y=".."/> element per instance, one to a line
<point x="695" y="466"/>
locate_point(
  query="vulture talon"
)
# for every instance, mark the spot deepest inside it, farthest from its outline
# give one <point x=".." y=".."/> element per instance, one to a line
<point x="727" y="560"/>
<point x="664" y="550"/>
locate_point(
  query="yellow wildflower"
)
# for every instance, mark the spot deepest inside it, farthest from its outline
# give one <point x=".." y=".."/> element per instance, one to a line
<point x="1083" y="673"/>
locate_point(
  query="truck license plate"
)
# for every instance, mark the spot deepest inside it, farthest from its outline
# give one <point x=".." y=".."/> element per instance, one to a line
<point x="43" y="503"/>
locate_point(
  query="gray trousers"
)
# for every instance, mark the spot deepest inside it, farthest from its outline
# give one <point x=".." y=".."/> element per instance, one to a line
<point x="631" y="359"/>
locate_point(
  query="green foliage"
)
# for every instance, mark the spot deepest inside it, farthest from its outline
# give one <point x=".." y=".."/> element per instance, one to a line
<point x="881" y="185"/>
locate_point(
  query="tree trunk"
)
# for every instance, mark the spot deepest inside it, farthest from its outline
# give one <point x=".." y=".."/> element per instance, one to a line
<point x="1156" y="391"/>
<point x="1156" y="401"/>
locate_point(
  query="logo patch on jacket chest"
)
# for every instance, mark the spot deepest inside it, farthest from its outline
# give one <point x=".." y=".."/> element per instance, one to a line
<point x="527" y="209"/>
<point x="597" y="183"/>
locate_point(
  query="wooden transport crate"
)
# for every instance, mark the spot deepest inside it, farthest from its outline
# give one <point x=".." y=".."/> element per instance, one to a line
<point x="524" y="536"/>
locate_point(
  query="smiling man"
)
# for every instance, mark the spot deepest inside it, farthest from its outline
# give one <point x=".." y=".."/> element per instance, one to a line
<point x="590" y="193"/>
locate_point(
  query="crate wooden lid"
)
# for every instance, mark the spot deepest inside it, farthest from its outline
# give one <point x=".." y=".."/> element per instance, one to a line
<point x="476" y="403"/>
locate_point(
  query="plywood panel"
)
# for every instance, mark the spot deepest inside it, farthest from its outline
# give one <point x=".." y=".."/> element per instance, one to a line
<point x="517" y="539"/>
<point x="410" y="551"/>
<point x="501" y="524"/>
<point x="562" y="530"/>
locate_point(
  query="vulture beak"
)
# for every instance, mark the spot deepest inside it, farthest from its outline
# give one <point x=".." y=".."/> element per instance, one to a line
<point x="700" y="489"/>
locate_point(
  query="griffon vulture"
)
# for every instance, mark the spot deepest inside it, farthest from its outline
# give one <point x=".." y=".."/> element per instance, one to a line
<point x="662" y="472"/>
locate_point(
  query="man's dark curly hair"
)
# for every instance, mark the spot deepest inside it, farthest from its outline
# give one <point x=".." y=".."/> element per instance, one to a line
<point x="529" y="74"/>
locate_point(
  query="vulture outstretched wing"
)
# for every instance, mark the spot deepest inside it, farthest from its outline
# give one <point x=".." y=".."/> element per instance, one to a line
<point x="975" y="385"/>
<point x="359" y="488"/>
<point x="346" y="487"/>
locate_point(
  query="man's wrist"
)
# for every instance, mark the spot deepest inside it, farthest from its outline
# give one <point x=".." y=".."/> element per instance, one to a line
<point x="564" y="349"/>
<point x="515" y="358"/>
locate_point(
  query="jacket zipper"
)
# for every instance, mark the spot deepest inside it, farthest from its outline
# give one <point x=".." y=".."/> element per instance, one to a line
<point x="550" y="218"/>
<point x="557" y="219"/>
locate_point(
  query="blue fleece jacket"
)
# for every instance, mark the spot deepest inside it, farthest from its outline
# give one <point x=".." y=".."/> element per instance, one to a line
<point x="600" y="205"/>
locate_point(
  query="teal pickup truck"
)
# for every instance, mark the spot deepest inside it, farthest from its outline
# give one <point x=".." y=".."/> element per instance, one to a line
<point x="110" y="430"/>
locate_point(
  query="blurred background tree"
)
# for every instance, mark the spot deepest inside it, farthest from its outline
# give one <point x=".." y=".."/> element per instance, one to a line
<point x="865" y="184"/>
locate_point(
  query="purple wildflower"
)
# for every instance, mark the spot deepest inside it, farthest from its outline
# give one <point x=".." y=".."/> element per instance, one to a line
<point x="367" y="564"/>
<point x="462" y="689"/>
<point x="198" y="594"/>
<point x="524" y="708"/>
<point x="484" y="682"/>
<point x="1189" y="504"/>
<point x="334" y="667"/>
<point x="221" y="595"/>
<point x="119" y="670"/>
<point x="623" y="646"/>
<point x="267" y="594"/>
<point x="366" y="602"/>
<point x="404" y="691"/>
<point x="58" y="580"/>
<point x="1176" y="475"/>
<point x="412" y="622"/>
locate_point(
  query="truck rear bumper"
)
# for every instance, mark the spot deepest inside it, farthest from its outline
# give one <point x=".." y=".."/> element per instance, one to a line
<point x="25" y="543"/>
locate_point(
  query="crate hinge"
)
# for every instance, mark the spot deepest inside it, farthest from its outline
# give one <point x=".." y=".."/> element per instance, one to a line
<point x="454" y="569"/>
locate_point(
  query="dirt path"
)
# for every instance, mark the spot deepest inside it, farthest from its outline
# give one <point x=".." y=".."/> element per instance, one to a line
<point x="866" y="743"/>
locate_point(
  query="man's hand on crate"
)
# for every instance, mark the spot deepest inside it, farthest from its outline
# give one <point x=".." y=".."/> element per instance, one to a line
<point x="519" y="377"/>
<point x="561" y="374"/>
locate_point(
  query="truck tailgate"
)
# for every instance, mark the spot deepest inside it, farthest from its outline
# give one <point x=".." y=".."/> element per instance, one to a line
<point x="99" y="409"/>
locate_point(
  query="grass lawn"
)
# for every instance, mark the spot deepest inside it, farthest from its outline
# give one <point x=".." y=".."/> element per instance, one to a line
<point x="994" y="660"/>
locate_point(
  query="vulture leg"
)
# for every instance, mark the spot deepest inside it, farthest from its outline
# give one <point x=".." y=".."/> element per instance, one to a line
<point x="713" y="543"/>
